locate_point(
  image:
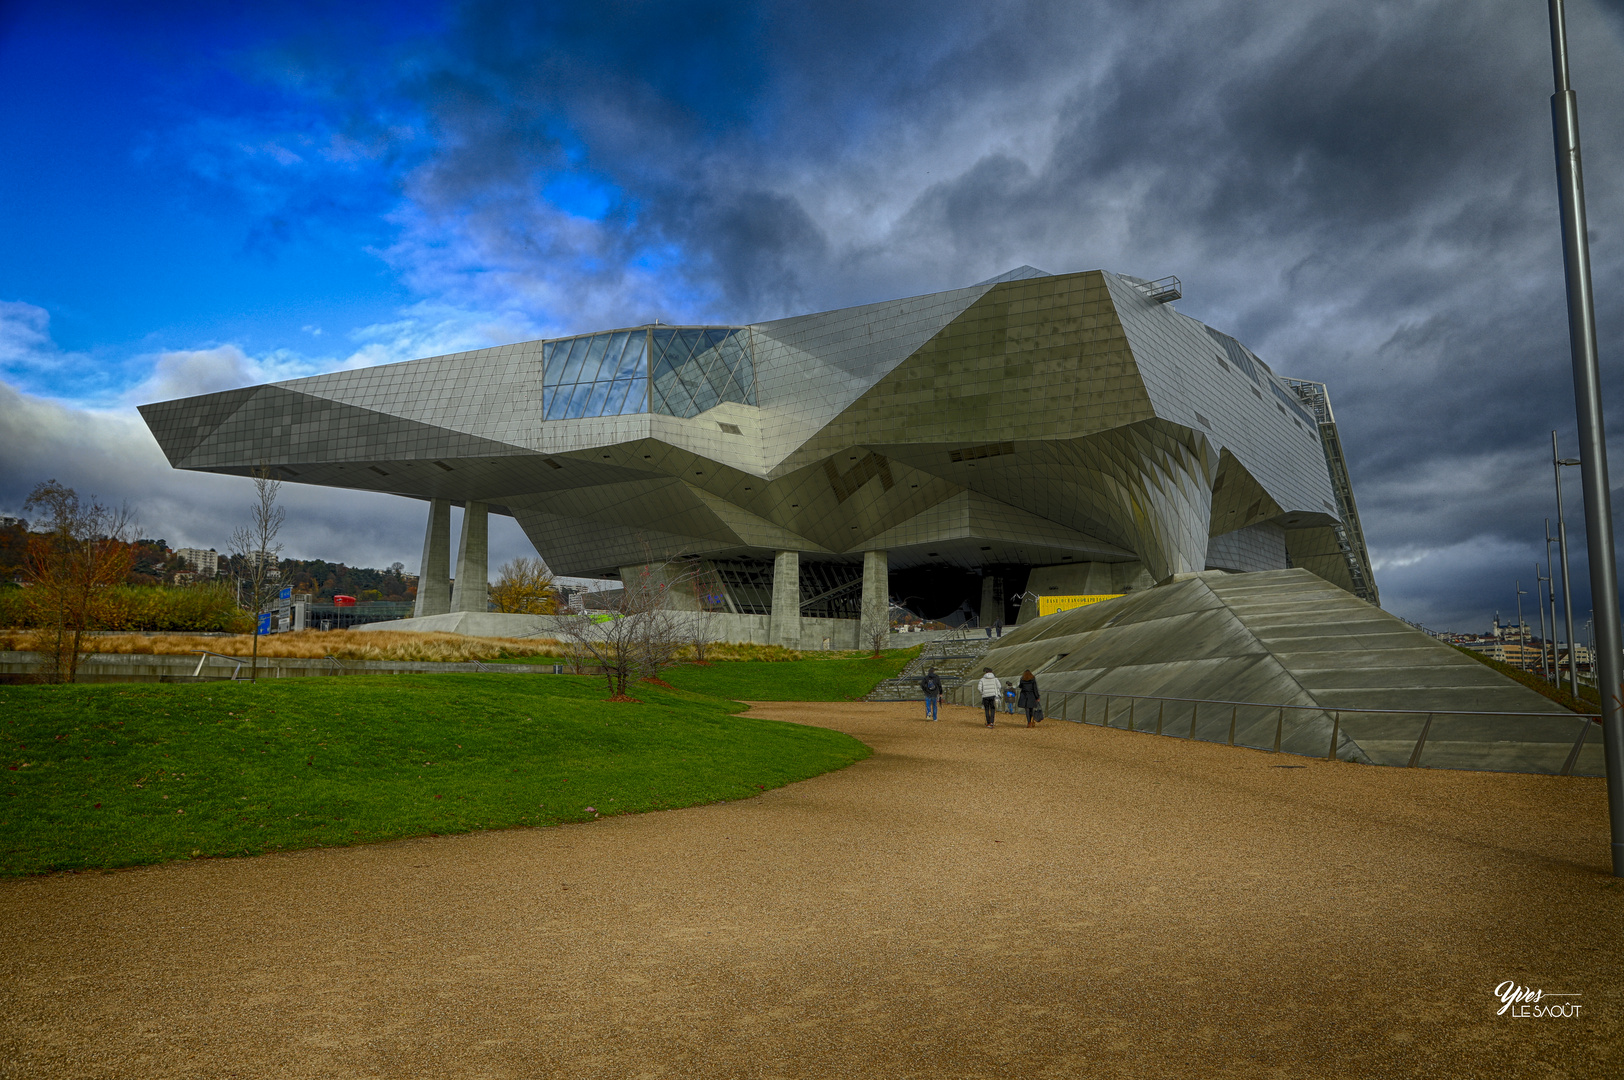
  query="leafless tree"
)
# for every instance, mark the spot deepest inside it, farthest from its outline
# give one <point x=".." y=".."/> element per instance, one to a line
<point x="703" y="628"/>
<point x="638" y="633"/>
<point x="255" y="545"/>
<point x="82" y="550"/>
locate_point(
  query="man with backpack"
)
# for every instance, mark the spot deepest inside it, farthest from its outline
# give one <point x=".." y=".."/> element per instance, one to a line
<point x="931" y="684"/>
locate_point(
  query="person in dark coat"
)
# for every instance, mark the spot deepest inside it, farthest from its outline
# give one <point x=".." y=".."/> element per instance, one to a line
<point x="1029" y="699"/>
<point x="931" y="684"/>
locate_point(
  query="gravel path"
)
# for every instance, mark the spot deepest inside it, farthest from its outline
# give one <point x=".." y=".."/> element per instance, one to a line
<point x="1067" y="901"/>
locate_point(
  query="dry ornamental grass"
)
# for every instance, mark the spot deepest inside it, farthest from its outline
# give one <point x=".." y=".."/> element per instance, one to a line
<point x="366" y="645"/>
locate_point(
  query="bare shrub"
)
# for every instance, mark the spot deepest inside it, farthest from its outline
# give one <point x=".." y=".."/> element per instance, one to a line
<point x="638" y="634"/>
<point x="704" y="628"/>
<point x="255" y="543"/>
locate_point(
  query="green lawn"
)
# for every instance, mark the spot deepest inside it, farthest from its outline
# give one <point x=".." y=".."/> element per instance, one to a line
<point x="799" y="680"/>
<point x="124" y="774"/>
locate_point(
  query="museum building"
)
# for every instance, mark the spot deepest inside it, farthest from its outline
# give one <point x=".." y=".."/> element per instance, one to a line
<point x="957" y="454"/>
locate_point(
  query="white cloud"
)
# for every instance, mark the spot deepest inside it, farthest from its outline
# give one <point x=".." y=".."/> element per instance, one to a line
<point x="186" y="372"/>
<point x="109" y="454"/>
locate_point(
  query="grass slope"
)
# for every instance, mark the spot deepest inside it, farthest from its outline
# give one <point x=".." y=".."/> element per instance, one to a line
<point x="1590" y="702"/>
<point x="834" y="679"/>
<point x="124" y="774"/>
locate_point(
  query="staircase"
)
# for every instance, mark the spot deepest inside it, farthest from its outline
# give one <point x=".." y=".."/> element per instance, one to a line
<point x="956" y="660"/>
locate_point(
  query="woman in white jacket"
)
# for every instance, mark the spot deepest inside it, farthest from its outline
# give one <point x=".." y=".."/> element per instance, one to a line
<point x="990" y="688"/>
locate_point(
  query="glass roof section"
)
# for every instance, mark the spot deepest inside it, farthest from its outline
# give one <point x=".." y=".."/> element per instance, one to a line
<point x="694" y="369"/>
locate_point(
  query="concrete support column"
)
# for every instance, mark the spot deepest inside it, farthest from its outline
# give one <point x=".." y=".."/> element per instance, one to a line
<point x="473" y="576"/>
<point x="679" y="586"/>
<point x="988" y="612"/>
<point x="784" y="626"/>
<point x="876" y="614"/>
<point x="434" y="571"/>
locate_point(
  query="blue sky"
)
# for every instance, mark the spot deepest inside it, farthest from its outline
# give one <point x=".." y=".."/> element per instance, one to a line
<point x="195" y="198"/>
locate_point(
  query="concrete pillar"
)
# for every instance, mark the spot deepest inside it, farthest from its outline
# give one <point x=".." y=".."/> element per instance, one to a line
<point x="784" y="626"/>
<point x="473" y="576"/>
<point x="434" y="571"/>
<point x="989" y="613"/>
<point x="676" y="577"/>
<point x="876" y="598"/>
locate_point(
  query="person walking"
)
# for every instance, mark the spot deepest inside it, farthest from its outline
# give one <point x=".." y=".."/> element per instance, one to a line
<point x="998" y="627"/>
<point x="989" y="694"/>
<point x="931" y="684"/>
<point x="1009" y="697"/>
<point x="1029" y="696"/>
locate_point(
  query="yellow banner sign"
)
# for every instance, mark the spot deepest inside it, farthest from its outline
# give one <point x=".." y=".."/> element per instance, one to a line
<point x="1048" y="605"/>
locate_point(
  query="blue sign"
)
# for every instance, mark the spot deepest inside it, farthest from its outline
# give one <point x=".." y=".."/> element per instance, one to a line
<point x="264" y="624"/>
<point x="286" y="595"/>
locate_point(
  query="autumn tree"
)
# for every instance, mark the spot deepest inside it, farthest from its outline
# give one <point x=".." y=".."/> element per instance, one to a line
<point x="78" y="551"/>
<point x="524" y="586"/>
<point x="255" y="547"/>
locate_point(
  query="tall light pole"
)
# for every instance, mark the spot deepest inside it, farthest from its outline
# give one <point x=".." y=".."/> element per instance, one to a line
<point x="1557" y="461"/>
<point x="1522" y="631"/>
<point x="1550" y="576"/>
<point x="1592" y="439"/>
<point x="1539" y="602"/>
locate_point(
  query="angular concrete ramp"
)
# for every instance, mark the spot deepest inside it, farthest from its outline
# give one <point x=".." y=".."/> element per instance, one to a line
<point x="1288" y="638"/>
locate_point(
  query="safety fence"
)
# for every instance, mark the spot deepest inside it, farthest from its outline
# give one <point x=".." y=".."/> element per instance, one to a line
<point x="1551" y="743"/>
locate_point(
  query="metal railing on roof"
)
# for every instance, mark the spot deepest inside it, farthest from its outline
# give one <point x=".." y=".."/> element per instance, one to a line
<point x="1162" y="290"/>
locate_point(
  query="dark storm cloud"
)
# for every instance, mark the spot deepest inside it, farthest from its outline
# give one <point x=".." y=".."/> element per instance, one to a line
<point x="1363" y="193"/>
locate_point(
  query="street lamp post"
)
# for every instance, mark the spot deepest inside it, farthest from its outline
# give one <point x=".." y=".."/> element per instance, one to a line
<point x="1539" y="602"/>
<point x="1550" y="577"/>
<point x="1522" y="631"/>
<point x="1557" y="461"/>
<point x="1592" y="432"/>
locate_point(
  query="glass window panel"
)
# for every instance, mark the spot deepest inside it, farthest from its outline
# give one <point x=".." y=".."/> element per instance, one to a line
<point x="677" y="348"/>
<point x="625" y="396"/>
<point x="679" y="402"/>
<point x="552" y="402"/>
<point x="705" y="396"/>
<point x="633" y="359"/>
<point x="692" y="341"/>
<point x="663" y="336"/>
<point x="550" y="359"/>
<point x="594" y="357"/>
<point x="569" y="370"/>
<point x="577" y="403"/>
<point x="613" y="351"/>
<point x="597" y="396"/>
<point x="691" y="377"/>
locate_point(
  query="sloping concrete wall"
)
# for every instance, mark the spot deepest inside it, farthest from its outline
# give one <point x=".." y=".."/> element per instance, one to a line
<point x="1285" y="637"/>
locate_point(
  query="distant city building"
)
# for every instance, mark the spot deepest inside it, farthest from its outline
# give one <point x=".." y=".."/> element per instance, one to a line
<point x="205" y="564"/>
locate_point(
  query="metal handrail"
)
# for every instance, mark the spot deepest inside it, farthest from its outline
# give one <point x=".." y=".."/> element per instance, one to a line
<point x="335" y="661"/>
<point x="1586" y="720"/>
<point x="1318" y="708"/>
<point x="201" y="660"/>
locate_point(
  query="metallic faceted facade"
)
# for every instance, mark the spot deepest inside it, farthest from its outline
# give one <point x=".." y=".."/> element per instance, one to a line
<point x="1031" y="421"/>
